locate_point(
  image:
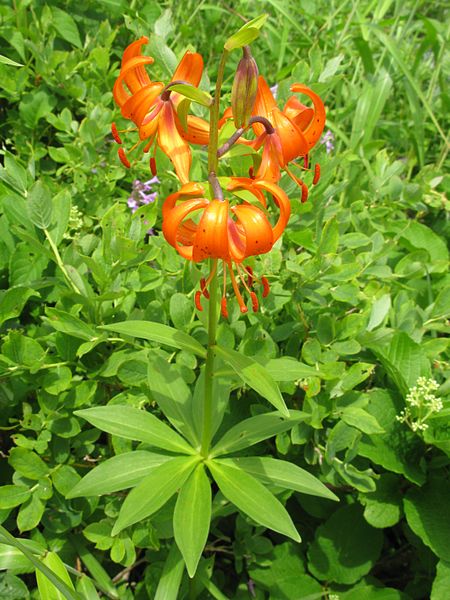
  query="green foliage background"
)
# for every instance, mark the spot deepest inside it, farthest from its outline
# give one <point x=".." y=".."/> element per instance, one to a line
<point x="360" y="298"/>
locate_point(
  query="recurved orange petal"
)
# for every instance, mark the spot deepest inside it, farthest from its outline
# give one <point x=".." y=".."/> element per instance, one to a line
<point x="197" y="131"/>
<point x="171" y="142"/>
<point x="131" y="74"/>
<point x="264" y="104"/>
<point x="293" y="141"/>
<point x="134" y="49"/>
<point x="138" y="105"/>
<point x="211" y="239"/>
<point x="173" y="223"/>
<point x="190" y="68"/>
<point x="257" y="230"/>
<point x="282" y="200"/>
<point x="314" y="130"/>
<point x="298" y="113"/>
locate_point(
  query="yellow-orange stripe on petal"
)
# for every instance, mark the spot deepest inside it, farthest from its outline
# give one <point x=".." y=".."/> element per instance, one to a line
<point x="138" y="105"/>
<point x="171" y="142"/>
<point x="190" y="68"/>
<point x="197" y="131"/>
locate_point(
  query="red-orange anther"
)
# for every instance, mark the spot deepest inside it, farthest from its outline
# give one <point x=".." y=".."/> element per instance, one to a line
<point x="306" y="161"/>
<point x="203" y="288"/>
<point x="115" y="133"/>
<point x="255" y="303"/>
<point x="123" y="158"/>
<point x="250" y="277"/>
<point x="153" y="166"/>
<point x="197" y="300"/>
<point x="223" y="308"/>
<point x="305" y="192"/>
<point x="316" y="174"/>
<point x="266" y="287"/>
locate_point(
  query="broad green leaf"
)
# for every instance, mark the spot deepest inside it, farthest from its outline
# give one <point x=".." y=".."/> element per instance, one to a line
<point x="363" y="481"/>
<point x="426" y="511"/>
<point x="154" y="491"/>
<point x="13" y="300"/>
<point x="173" y="396"/>
<point x="192" y="93"/>
<point x="281" y="473"/>
<point x="27" y="463"/>
<point x="252" y="498"/>
<point x="246" y="34"/>
<point x="135" y="424"/>
<point x="117" y="473"/>
<point x="380" y="309"/>
<point x="345" y="547"/>
<point x="98" y="573"/>
<point x="418" y="236"/>
<point x="289" y="369"/>
<point x="170" y="579"/>
<point x="255" y="429"/>
<point x="47" y="590"/>
<point x="441" y="584"/>
<point x="156" y="332"/>
<point x="40" y="207"/>
<point x="162" y="54"/>
<point x="192" y="516"/>
<point x="66" y="27"/>
<point x="404" y="361"/>
<point x="13" y="495"/>
<point x="255" y="376"/>
<point x="70" y="324"/>
<point x="329" y="238"/>
<point x="383" y="507"/>
<point x="13" y="558"/>
<point x="360" y="419"/>
<point x="30" y="513"/>
<point x="86" y="588"/>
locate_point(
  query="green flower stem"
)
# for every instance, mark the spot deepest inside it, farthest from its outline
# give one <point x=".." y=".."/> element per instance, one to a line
<point x="213" y="162"/>
<point x="60" y="263"/>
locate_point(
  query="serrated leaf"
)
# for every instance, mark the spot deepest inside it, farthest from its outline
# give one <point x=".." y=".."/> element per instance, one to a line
<point x="154" y="491"/>
<point x="192" y="518"/>
<point x="135" y="424"/>
<point x="40" y="207"/>
<point x="254" y="375"/>
<point x="118" y="473"/>
<point x="157" y="332"/>
<point x="252" y="498"/>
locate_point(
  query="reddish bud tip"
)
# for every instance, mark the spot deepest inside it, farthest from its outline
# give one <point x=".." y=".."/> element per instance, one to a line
<point x="316" y="174"/>
<point x="305" y="193"/>
<point x="223" y="307"/>
<point x="266" y="287"/>
<point x="255" y="303"/>
<point x="203" y="288"/>
<point x="243" y="92"/>
<point x="115" y="133"/>
<point x="197" y="301"/>
<point x="153" y="166"/>
<point x="123" y="158"/>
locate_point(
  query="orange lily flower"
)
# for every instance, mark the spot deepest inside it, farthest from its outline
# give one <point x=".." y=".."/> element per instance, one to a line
<point x="230" y="234"/>
<point x="153" y="107"/>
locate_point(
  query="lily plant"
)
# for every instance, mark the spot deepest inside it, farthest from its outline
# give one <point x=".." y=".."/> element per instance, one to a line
<point x="222" y="222"/>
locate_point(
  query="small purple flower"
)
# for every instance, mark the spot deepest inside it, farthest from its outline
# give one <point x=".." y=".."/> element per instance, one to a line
<point x="141" y="193"/>
<point x="328" y="139"/>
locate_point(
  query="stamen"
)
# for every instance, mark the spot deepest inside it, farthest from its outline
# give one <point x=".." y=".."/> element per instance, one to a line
<point x="305" y="193"/>
<point x="239" y="297"/>
<point x="211" y="275"/>
<point x="255" y="303"/>
<point x="251" y="173"/>
<point x="147" y="146"/>
<point x="153" y="166"/>
<point x="242" y="278"/>
<point x="266" y="287"/>
<point x="197" y="301"/>
<point x="250" y="277"/>
<point x="115" y="133"/>
<point x="123" y="158"/>
<point x="203" y="288"/>
<point x="306" y="161"/>
<point x="223" y="307"/>
<point x="316" y="173"/>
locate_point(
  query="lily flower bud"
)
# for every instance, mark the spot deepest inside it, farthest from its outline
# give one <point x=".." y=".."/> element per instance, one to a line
<point x="245" y="85"/>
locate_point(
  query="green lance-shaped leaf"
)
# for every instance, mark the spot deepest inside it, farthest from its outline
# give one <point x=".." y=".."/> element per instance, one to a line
<point x="8" y="61"/>
<point x="172" y="573"/>
<point x="135" y="424"/>
<point x="118" y="473"/>
<point x="154" y="491"/>
<point x="254" y="430"/>
<point x="192" y="517"/>
<point x="40" y="207"/>
<point x="47" y="590"/>
<point x="254" y="375"/>
<point x="192" y="93"/>
<point x="281" y="473"/>
<point x="157" y="332"/>
<point x="252" y="498"/>
<point x="246" y="34"/>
